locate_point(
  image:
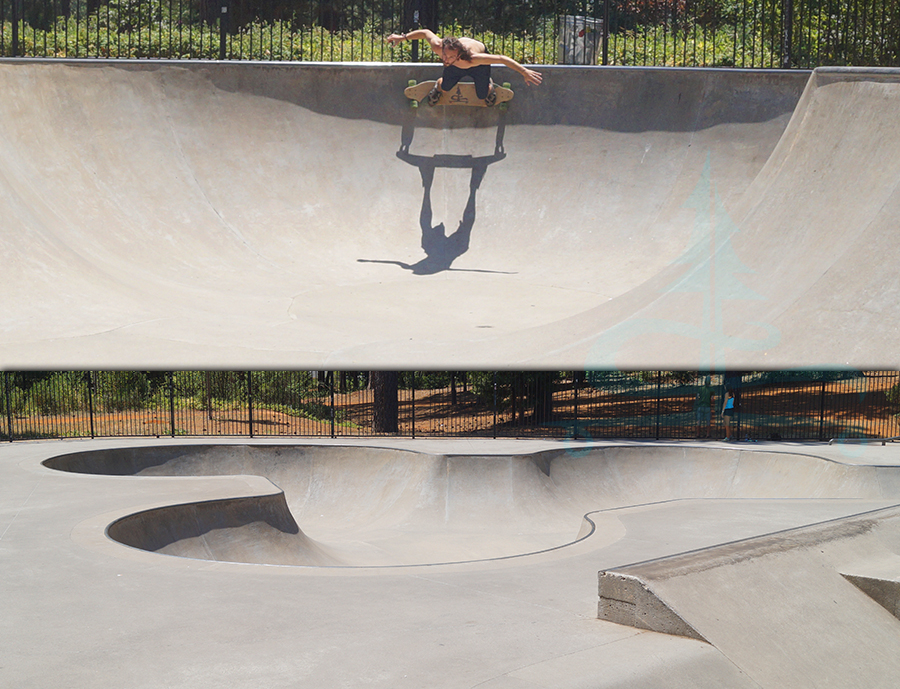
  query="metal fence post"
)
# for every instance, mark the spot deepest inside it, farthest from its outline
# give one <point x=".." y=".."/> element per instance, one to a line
<point x="495" y="404"/>
<point x="413" y="405"/>
<point x="223" y="28"/>
<point x="605" y="39"/>
<point x="209" y="409"/>
<point x="415" y="44"/>
<point x="90" y="381"/>
<point x="15" y="28"/>
<point x="575" y="381"/>
<point x="658" y="400"/>
<point x="333" y="433"/>
<point x="250" y="399"/>
<point x="171" y="376"/>
<point x="787" y="32"/>
<point x="822" y="410"/>
<point x="8" y="405"/>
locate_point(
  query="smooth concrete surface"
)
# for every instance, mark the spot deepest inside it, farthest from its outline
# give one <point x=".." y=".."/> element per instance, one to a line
<point x="627" y="599"/>
<point x="750" y="544"/>
<point x="799" y="621"/>
<point x="242" y="215"/>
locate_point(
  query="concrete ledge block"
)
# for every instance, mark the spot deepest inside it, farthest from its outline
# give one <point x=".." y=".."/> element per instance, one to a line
<point x="885" y="592"/>
<point x="625" y="599"/>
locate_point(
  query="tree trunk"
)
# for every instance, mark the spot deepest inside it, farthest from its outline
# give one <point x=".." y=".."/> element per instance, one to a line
<point x="386" y="411"/>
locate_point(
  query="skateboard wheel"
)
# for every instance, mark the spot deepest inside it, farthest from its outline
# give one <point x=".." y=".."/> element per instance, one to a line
<point x="505" y="105"/>
<point x="411" y="82"/>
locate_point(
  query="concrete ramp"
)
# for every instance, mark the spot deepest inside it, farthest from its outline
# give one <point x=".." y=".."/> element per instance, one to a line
<point x="188" y="214"/>
<point x="778" y="607"/>
<point x="878" y="578"/>
<point x="351" y="506"/>
<point x="256" y="530"/>
<point x="799" y="268"/>
<point x="377" y="507"/>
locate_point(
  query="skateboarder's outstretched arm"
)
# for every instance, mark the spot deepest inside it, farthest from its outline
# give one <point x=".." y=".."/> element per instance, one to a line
<point x="531" y="77"/>
<point x="464" y="53"/>
<point x="434" y="42"/>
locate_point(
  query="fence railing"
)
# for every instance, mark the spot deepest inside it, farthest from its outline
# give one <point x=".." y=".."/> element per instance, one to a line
<point x="742" y="33"/>
<point x="594" y="404"/>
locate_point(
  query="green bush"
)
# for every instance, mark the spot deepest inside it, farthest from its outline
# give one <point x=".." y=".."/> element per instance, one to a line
<point x="60" y="393"/>
<point x="121" y="390"/>
<point x="425" y="380"/>
<point x="188" y="385"/>
<point x="801" y="375"/>
<point x="893" y="396"/>
<point x="16" y="401"/>
<point x="286" y="388"/>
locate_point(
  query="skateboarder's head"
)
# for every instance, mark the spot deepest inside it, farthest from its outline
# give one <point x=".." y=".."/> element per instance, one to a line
<point x="452" y="50"/>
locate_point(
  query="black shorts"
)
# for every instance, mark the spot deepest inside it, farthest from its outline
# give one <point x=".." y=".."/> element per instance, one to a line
<point x="728" y="412"/>
<point x="480" y="74"/>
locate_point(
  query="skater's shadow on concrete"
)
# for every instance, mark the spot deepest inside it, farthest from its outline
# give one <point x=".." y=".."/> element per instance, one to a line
<point x="441" y="249"/>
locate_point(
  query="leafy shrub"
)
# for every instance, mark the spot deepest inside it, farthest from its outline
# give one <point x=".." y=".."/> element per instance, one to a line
<point x="287" y="388"/>
<point x="16" y="400"/>
<point x="425" y="380"/>
<point x="803" y="376"/>
<point x="893" y="396"/>
<point x="61" y="393"/>
<point x="122" y="390"/>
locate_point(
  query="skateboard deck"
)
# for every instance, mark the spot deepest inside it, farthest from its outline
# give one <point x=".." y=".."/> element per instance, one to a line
<point x="461" y="94"/>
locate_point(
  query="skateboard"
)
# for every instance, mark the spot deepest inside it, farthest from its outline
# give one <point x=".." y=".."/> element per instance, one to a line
<point x="461" y="94"/>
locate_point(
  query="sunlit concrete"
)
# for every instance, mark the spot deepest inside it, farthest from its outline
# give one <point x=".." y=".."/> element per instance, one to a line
<point x="194" y="214"/>
<point x="444" y="566"/>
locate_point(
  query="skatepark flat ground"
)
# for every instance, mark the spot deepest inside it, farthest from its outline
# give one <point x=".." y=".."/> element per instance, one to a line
<point x="273" y="215"/>
<point x="751" y="545"/>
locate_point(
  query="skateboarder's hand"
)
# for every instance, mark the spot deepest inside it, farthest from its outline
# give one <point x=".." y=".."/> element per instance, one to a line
<point x="531" y="77"/>
<point x="395" y="38"/>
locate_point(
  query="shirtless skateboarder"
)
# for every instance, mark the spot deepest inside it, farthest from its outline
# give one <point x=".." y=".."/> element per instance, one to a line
<point x="465" y="57"/>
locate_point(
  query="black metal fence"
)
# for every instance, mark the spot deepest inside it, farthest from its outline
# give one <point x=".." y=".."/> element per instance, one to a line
<point x="798" y="405"/>
<point x="741" y="33"/>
